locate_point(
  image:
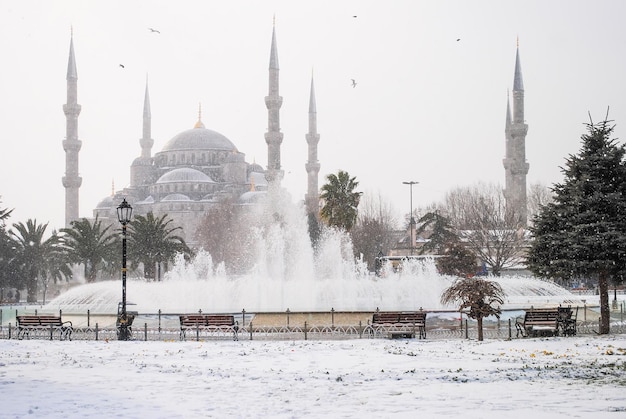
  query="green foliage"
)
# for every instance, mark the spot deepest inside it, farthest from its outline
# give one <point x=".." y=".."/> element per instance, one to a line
<point x="482" y="298"/>
<point x="340" y="201"/>
<point x="8" y="273"/>
<point x="583" y="231"/>
<point x="91" y="244"/>
<point x="443" y="241"/>
<point x="38" y="259"/>
<point x="152" y="240"/>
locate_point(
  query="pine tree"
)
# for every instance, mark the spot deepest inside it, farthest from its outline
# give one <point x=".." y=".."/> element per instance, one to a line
<point x="583" y="231"/>
<point x="444" y="241"/>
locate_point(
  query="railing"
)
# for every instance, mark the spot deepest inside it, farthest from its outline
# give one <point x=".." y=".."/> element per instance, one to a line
<point x="327" y="325"/>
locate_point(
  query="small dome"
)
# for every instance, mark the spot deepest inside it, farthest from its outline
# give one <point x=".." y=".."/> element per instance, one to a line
<point x="105" y="203"/>
<point x="199" y="138"/>
<point x="252" y="197"/>
<point x="176" y="197"/>
<point x="255" y="168"/>
<point x="185" y="175"/>
<point x="148" y="200"/>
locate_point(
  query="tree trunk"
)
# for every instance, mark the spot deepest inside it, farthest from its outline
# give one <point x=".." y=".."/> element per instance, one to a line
<point x="605" y="313"/>
<point x="31" y="290"/>
<point x="480" y="328"/>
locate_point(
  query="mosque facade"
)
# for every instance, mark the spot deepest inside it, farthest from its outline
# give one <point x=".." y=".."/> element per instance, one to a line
<point x="195" y="170"/>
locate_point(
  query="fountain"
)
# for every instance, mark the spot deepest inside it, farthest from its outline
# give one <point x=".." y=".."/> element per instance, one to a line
<point x="288" y="274"/>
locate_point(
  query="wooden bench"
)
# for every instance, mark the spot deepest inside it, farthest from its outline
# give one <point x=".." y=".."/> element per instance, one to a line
<point x="208" y="322"/>
<point x="547" y="321"/>
<point x="38" y="323"/>
<point x="399" y="321"/>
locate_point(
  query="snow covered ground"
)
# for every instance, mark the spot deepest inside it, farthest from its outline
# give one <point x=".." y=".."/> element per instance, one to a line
<point x="574" y="377"/>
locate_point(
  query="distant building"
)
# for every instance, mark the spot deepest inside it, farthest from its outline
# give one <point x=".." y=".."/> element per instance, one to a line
<point x="194" y="171"/>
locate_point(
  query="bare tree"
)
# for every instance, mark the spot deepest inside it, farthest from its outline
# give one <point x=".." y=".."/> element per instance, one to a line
<point x="495" y="235"/>
<point x="483" y="299"/>
<point x="373" y="232"/>
<point x="539" y="195"/>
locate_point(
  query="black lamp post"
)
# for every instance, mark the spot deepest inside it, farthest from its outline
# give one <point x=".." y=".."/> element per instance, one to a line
<point x="411" y="219"/>
<point x="124" y="212"/>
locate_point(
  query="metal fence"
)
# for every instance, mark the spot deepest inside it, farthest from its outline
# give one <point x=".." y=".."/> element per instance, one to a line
<point x="142" y="332"/>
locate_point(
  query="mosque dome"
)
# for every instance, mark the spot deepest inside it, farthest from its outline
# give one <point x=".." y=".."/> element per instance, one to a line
<point x="185" y="175"/>
<point x="105" y="203"/>
<point x="255" y="168"/>
<point x="199" y="138"/>
<point x="252" y="197"/>
<point x="176" y="197"/>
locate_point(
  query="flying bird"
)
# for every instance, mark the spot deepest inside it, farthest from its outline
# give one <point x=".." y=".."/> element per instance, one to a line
<point x="153" y="30"/>
<point x="458" y="39"/>
<point x="353" y="83"/>
<point x="122" y="65"/>
<point x="354" y="16"/>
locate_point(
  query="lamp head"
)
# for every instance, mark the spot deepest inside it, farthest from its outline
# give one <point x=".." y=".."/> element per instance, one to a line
<point x="124" y="212"/>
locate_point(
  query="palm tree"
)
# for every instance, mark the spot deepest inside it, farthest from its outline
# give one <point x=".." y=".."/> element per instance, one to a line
<point x="480" y="296"/>
<point x="152" y="240"/>
<point x="38" y="259"/>
<point x="8" y="275"/>
<point x="91" y="245"/>
<point x="340" y="201"/>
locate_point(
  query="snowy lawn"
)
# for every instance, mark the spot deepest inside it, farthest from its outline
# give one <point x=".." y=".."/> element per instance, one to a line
<point x="575" y="377"/>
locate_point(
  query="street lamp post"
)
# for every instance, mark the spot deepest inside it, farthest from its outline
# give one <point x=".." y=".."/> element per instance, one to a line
<point x="124" y="212"/>
<point x="411" y="219"/>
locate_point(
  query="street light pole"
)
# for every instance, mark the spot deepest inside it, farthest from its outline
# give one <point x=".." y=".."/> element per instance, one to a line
<point x="411" y="219"/>
<point x="124" y="212"/>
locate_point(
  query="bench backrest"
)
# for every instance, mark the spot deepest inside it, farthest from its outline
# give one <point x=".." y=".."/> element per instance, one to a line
<point x="191" y="320"/>
<point x="542" y="315"/>
<point x="418" y="317"/>
<point x="32" y="321"/>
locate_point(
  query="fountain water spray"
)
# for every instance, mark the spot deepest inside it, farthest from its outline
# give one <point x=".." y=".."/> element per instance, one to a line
<point x="289" y="274"/>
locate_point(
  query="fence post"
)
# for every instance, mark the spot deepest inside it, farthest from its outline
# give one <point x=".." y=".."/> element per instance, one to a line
<point x="243" y="317"/>
<point x="250" y="330"/>
<point x="145" y="331"/>
<point x="197" y="332"/>
<point x="88" y="317"/>
<point x="159" y="321"/>
<point x="287" y="318"/>
<point x="51" y="331"/>
<point x="332" y="316"/>
<point x="360" y="329"/>
<point x="305" y="331"/>
<point x="9" y="330"/>
<point x="510" y="331"/>
<point x="466" y="331"/>
<point x="96" y="331"/>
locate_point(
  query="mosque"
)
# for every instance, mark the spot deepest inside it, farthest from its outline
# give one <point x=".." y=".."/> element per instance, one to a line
<point x="199" y="167"/>
<point x="195" y="170"/>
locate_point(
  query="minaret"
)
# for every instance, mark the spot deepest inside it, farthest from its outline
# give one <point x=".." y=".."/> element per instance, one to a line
<point x="71" y="144"/>
<point x="312" y="166"/>
<point x="146" y="140"/>
<point x="141" y="169"/>
<point x="273" y="102"/>
<point x="515" y="165"/>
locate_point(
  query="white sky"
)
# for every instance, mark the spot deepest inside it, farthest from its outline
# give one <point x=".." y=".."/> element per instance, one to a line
<point x="426" y="108"/>
<point x="555" y="378"/>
